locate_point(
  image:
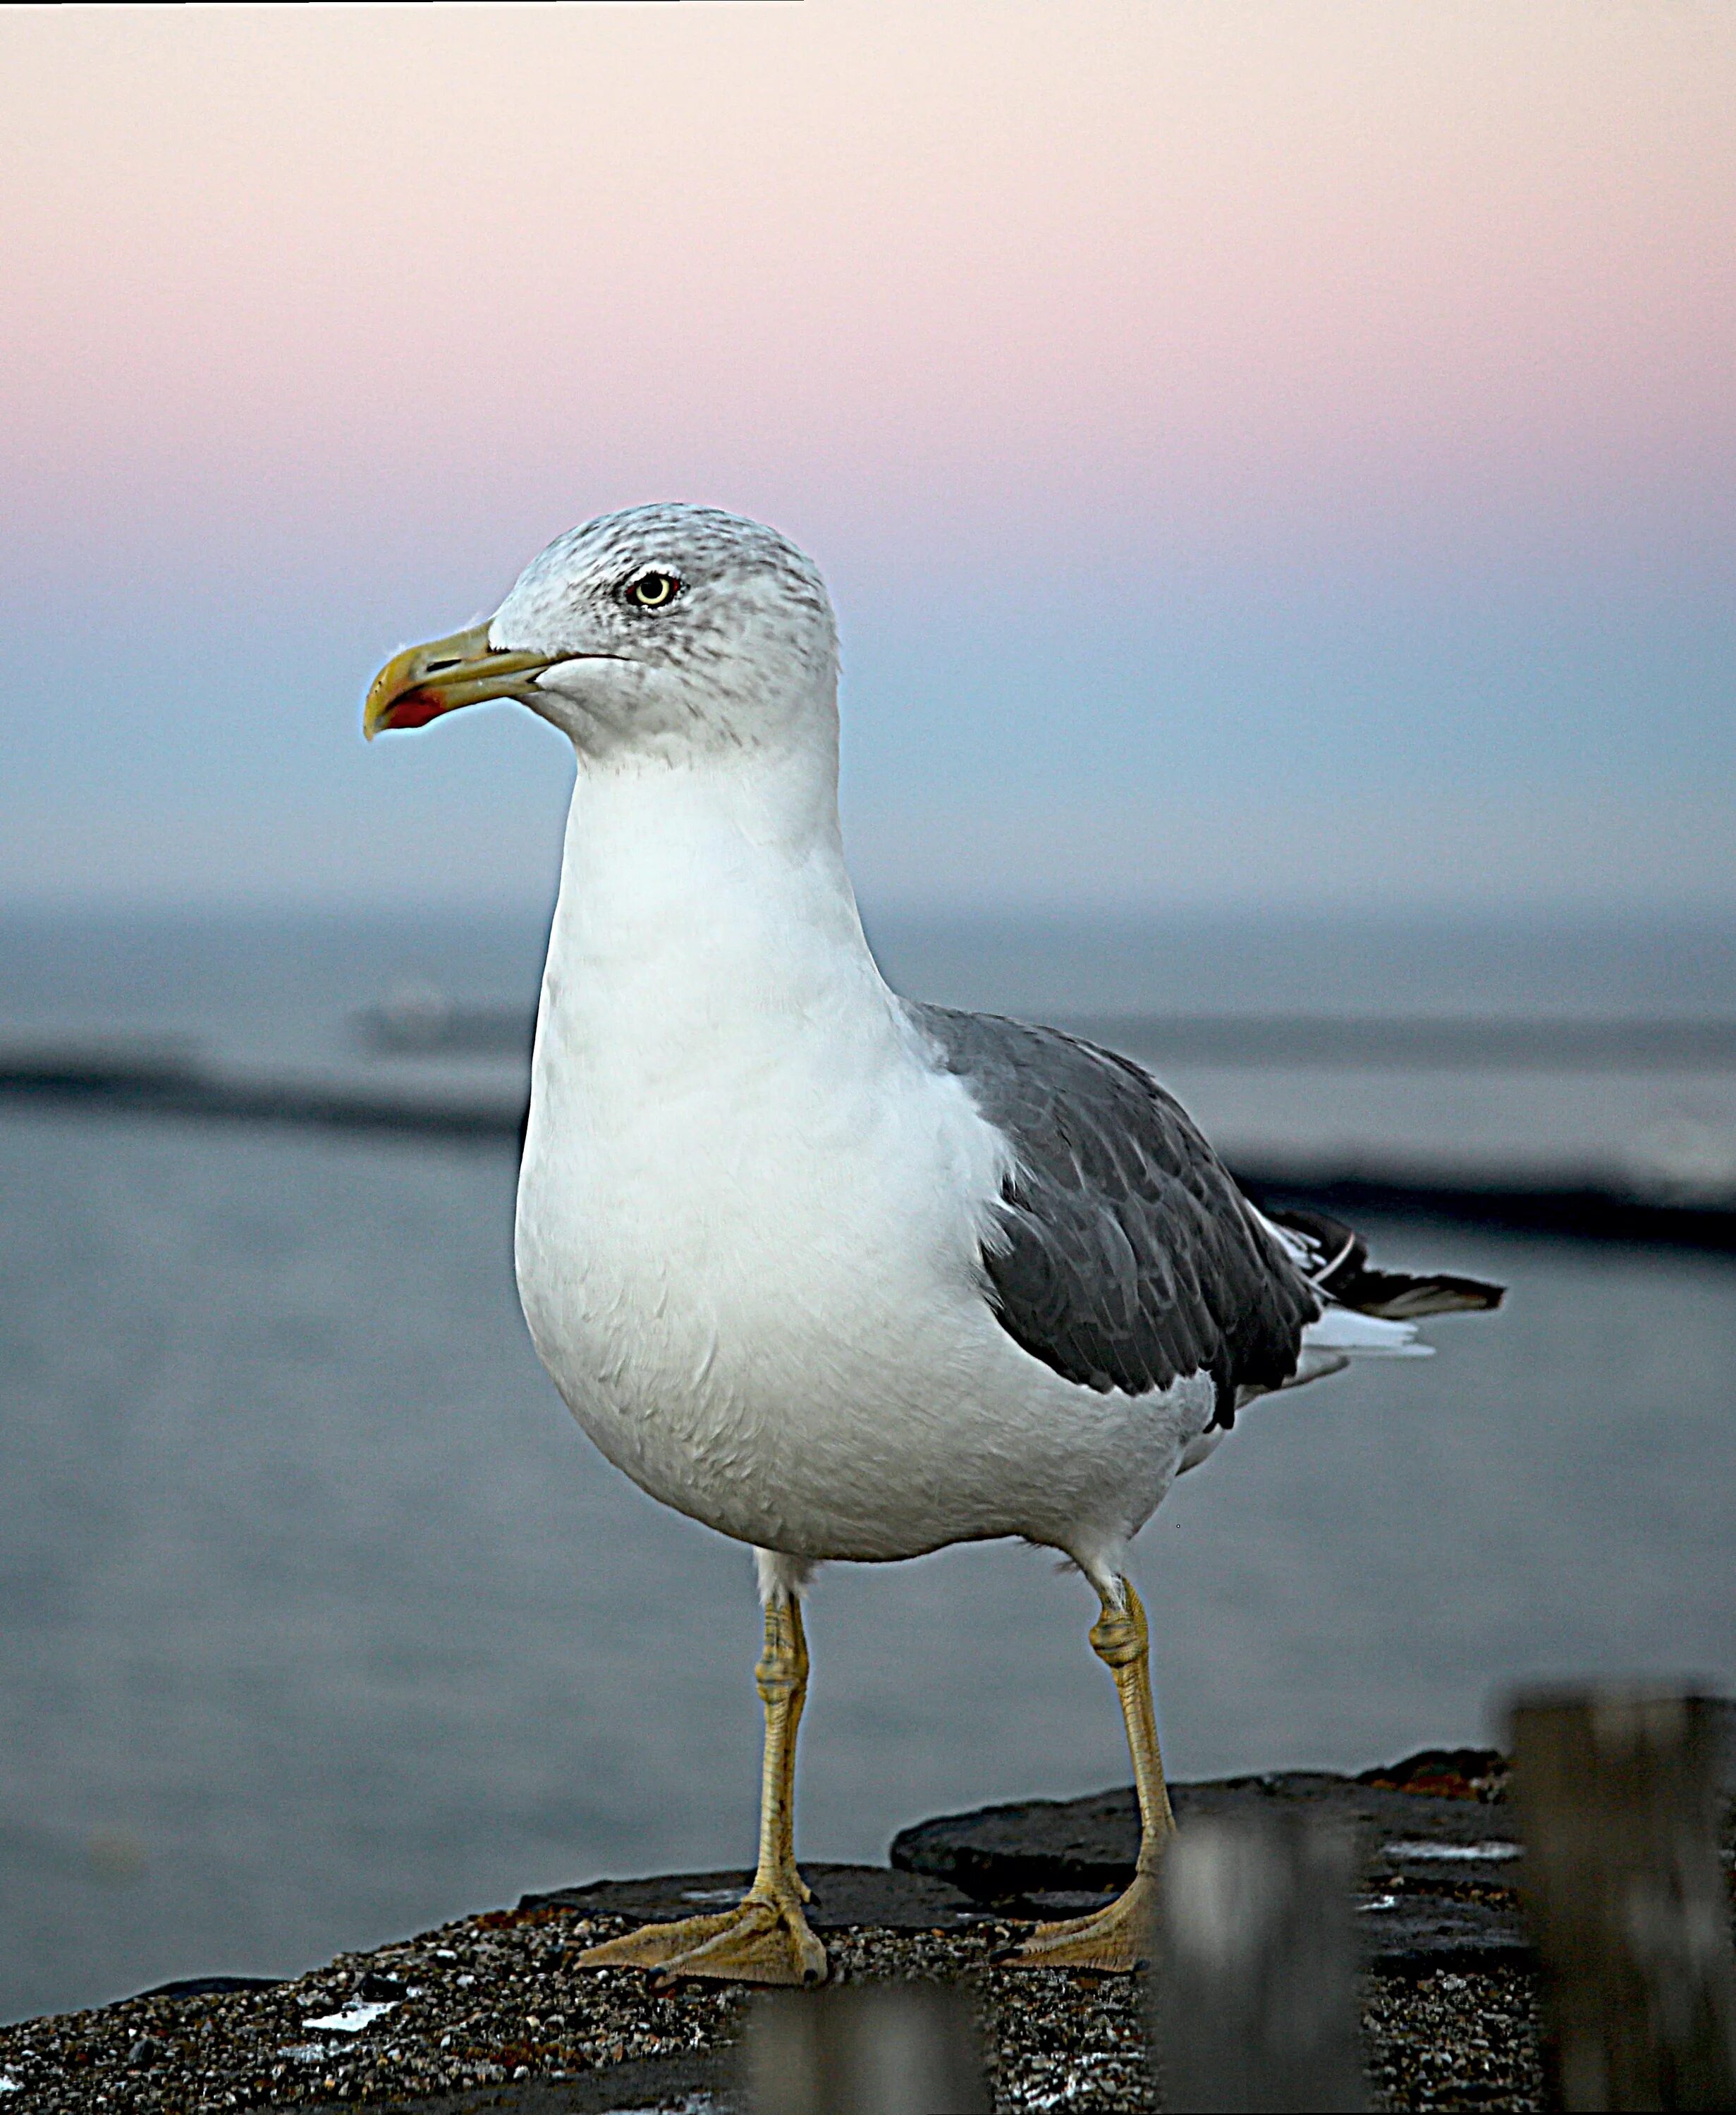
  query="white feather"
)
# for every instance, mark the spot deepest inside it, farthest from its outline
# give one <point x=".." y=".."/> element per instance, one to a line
<point x="1363" y="1336"/>
<point x="750" y="1210"/>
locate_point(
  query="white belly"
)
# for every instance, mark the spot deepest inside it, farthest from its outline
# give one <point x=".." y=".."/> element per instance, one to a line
<point x="761" y="1297"/>
<point x="750" y="1212"/>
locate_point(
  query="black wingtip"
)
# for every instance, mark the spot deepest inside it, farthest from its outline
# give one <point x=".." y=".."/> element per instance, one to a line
<point x="1341" y="1269"/>
<point x="1399" y="1297"/>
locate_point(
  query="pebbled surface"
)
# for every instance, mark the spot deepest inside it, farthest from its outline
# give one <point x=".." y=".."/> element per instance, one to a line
<point x="492" y="2011"/>
<point x="494" y="2015"/>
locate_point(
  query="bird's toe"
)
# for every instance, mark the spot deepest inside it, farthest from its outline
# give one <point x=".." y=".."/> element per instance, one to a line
<point x="1112" y="1941"/>
<point x="764" y="1940"/>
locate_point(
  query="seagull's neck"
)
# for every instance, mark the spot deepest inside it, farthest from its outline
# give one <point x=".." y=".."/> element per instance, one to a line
<point x="704" y="917"/>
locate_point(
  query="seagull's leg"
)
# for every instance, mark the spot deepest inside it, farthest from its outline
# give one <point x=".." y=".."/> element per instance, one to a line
<point x="765" y="1938"/>
<point x="1115" y="1939"/>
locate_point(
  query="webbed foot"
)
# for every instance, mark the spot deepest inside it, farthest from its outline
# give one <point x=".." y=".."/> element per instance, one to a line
<point x="765" y="1938"/>
<point x="1113" y="1940"/>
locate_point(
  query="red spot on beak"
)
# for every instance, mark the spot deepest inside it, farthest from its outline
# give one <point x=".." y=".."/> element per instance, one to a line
<point x="415" y="709"/>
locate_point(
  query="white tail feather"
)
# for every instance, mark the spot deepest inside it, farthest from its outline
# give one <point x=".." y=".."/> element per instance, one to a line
<point x="1363" y="1336"/>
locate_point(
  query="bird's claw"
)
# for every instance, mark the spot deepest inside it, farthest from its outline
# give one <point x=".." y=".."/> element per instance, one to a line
<point x="1112" y="1941"/>
<point x="765" y="1938"/>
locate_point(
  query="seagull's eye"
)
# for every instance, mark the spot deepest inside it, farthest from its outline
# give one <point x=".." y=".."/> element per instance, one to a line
<point x="653" y="590"/>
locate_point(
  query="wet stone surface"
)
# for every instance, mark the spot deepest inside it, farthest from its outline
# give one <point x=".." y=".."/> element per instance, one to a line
<point x="842" y="1897"/>
<point x="1438" y="1858"/>
<point x="493" y="2011"/>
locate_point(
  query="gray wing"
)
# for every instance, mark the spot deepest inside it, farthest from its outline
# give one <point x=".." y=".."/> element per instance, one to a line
<point x="1131" y="1258"/>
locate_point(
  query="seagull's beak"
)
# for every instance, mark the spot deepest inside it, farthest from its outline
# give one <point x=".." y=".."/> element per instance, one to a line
<point x="418" y="684"/>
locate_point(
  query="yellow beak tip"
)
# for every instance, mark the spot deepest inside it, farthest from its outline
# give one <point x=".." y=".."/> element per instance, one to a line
<point x="423" y="682"/>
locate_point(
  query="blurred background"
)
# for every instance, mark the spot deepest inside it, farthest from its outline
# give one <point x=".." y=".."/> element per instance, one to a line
<point x="1274" y="465"/>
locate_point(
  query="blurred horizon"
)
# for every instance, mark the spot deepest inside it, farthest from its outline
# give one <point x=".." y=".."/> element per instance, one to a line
<point x="69" y="959"/>
<point x="1263" y="457"/>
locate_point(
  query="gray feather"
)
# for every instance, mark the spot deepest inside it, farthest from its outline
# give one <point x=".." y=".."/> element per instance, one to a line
<point x="1129" y="1257"/>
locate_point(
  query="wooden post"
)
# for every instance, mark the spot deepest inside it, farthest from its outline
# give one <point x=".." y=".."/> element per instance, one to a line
<point x="886" y="2048"/>
<point x="1617" y="1797"/>
<point x="1256" y="1996"/>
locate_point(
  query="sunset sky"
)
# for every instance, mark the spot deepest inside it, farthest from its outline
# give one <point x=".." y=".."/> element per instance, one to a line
<point x="1260" y="453"/>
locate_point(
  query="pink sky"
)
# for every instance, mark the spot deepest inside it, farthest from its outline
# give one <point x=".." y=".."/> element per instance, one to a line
<point x="1250" y="244"/>
<point x="1407" y="293"/>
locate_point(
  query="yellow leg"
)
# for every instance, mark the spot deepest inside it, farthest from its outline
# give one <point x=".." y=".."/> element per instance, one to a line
<point x="1114" y="1939"/>
<point x="765" y="1938"/>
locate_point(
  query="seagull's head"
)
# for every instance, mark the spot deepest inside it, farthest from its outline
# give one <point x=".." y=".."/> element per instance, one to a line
<point x="665" y="630"/>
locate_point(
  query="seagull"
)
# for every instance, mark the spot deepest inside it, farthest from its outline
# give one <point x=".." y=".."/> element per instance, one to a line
<point x="843" y="1276"/>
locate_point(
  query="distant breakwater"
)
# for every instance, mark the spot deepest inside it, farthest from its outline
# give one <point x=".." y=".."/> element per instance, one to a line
<point x="133" y="1081"/>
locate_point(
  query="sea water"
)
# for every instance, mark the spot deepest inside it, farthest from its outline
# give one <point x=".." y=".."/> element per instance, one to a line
<point x="319" y="1621"/>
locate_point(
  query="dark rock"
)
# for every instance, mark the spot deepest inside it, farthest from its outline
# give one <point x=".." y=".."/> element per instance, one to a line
<point x="844" y="1897"/>
<point x="1480" y="1773"/>
<point x="374" y="1989"/>
<point x="212" y="1986"/>
<point x="1438" y="1869"/>
<point x="1031" y="1847"/>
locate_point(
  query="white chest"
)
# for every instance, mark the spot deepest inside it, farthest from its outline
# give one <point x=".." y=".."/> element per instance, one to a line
<point x="749" y="1225"/>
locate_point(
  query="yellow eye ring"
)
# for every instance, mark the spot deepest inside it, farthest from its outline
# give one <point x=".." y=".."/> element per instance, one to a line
<point x="653" y="590"/>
